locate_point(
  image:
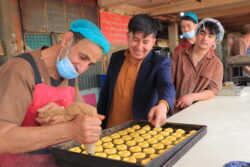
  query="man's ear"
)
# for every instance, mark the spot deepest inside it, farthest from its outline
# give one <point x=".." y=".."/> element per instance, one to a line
<point x="66" y="39"/>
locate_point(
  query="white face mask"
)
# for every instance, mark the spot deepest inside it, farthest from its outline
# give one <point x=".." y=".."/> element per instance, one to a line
<point x="64" y="67"/>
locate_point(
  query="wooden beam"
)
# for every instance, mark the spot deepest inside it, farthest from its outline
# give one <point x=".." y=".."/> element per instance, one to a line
<point x="116" y="3"/>
<point x="187" y="6"/>
<point x="124" y="10"/>
<point x="226" y="12"/>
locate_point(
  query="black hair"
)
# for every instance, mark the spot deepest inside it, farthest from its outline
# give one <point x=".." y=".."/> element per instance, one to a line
<point x="211" y="27"/>
<point x="246" y="29"/>
<point x="188" y="19"/>
<point x="144" y="23"/>
<point x="77" y="37"/>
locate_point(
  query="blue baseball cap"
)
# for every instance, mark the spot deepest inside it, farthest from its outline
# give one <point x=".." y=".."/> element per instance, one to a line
<point x="192" y="15"/>
<point x="90" y="31"/>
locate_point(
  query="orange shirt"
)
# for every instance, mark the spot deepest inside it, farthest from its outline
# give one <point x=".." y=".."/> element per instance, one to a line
<point x="121" y="105"/>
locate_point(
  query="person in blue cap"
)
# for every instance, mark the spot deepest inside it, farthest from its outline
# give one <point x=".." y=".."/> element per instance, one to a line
<point x="42" y="80"/>
<point x="189" y="22"/>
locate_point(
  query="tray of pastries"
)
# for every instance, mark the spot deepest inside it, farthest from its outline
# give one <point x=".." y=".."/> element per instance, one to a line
<point x="132" y="144"/>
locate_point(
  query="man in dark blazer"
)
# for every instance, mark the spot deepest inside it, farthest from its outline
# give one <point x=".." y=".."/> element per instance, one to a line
<point x="138" y="84"/>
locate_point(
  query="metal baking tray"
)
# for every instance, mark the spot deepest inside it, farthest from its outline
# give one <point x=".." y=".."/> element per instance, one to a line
<point x="66" y="158"/>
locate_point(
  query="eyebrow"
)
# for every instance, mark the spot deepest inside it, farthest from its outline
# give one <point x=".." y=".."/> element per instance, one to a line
<point x="84" y="55"/>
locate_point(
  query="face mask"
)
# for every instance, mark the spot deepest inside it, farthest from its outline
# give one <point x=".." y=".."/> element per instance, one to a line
<point x="65" y="68"/>
<point x="189" y="34"/>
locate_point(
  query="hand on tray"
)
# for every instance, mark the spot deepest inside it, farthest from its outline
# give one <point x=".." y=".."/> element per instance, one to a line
<point x="157" y="116"/>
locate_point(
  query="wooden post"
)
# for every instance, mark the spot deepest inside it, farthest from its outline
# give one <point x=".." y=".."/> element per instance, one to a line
<point x="173" y="36"/>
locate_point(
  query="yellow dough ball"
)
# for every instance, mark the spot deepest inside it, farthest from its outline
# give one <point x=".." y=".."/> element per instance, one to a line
<point x="108" y="145"/>
<point x="146" y="136"/>
<point x="145" y="161"/>
<point x="171" y="138"/>
<point x="98" y="143"/>
<point x="123" y="133"/>
<point x="118" y="141"/>
<point x="126" y="138"/>
<point x="139" y="155"/>
<point x="158" y="146"/>
<point x="170" y="146"/>
<point x="144" y="144"/>
<point x="129" y="159"/>
<point x="192" y="131"/>
<point x="134" y="134"/>
<point x="110" y="151"/>
<point x="136" y="127"/>
<point x="130" y="143"/>
<point x="153" y="156"/>
<point x="164" y="133"/>
<point x="149" y="151"/>
<point x="157" y="129"/>
<point x="115" y="157"/>
<point x="166" y="142"/>
<point x="124" y="153"/>
<point x="115" y="136"/>
<point x="152" y="141"/>
<point x="98" y="149"/>
<point x="169" y="130"/>
<point x="152" y="132"/>
<point x="177" y="135"/>
<point x="181" y="131"/>
<point x="146" y="128"/>
<point x="135" y="149"/>
<point x="159" y="137"/>
<point x="103" y="155"/>
<point x="75" y="149"/>
<point x="141" y="132"/>
<point x="163" y="151"/>
<point x="121" y="147"/>
<point x="139" y="139"/>
<point x="130" y="130"/>
<point x="106" y="139"/>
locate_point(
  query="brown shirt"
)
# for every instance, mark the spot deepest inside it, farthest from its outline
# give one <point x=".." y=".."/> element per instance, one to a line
<point x="239" y="47"/>
<point x="123" y="93"/>
<point x="188" y="78"/>
<point x="17" y="83"/>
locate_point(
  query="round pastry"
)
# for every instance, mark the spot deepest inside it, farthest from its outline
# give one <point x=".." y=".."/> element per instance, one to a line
<point x="134" y="134"/>
<point x="187" y="135"/>
<point x="115" y="136"/>
<point x="130" y="143"/>
<point x="75" y="149"/>
<point x="170" y="146"/>
<point x="149" y="151"/>
<point x="164" y="133"/>
<point x="171" y="138"/>
<point x="121" y="147"/>
<point x="139" y="156"/>
<point x="159" y="137"/>
<point x="177" y="142"/>
<point x="118" y="141"/>
<point x="103" y="155"/>
<point x="145" y="161"/>
<point x="126" y="138"/>
<point x="157" y="129"/>
<point x="98" y="143"/>
<point x="144" y="144"/>
<point x="181" y="131"/>
<point x="166" y="142"/>
<point x="138" y="139"/>
<point x="177" y="135"/>
<point x="135" y="149"/>
<point x="124" y="153"/>
<point x="123" y="133"/>
<point x="130" y="130"/>
<point x="136" y="127"/>
<point x="182" y="138"/>
<point x="110" y="151"/>
<point x="108" y="145"/>
<point x="153" y="156"/>
<point x="82" y="147"/>
<point x="192" y="131"/>
<point x="152" y="141"/>
<point x="163" y="151"/>
<point x="152" y="132"/>
<point x="106" y="139"/>
<point x="115" y="157"/>
<point x="98" y="149"/>
<point x="141" y="132"/>
<point x="85" y="152"/>
<point x="169" y="130"/>
<point x="146" y="128"/>
<point x="158" y="147"/>
<point x="146" y="136"/>
<point x="129" y="159"/>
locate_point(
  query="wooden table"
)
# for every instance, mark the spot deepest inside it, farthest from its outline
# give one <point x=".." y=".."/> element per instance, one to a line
<point x="228" y="132"/>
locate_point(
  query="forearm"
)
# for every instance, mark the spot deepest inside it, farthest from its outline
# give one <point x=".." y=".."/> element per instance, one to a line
<point x="204" y="95"/>
<point x="14" y="139"/>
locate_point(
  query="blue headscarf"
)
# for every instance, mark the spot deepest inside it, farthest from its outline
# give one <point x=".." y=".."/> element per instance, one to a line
<point x="192" y="15"/>
<point x="90" y="31"/>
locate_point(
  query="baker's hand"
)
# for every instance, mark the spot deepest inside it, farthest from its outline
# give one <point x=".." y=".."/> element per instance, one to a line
<point x="50" y="120"/>
<point x="157" y="116"/>
<point x="87" y="129"/>
<point x="184" y="101"/>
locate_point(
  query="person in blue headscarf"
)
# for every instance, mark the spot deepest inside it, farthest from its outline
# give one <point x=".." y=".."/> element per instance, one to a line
<point x="43" y="80"/>
<point x="189" y="22"/>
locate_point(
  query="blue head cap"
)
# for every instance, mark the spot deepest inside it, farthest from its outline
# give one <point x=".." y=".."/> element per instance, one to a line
<point x="90" y="31"/>
<point x="192" y="15"/>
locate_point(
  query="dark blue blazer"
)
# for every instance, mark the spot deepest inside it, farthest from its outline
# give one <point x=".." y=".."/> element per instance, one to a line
<point x="153" y="84"/>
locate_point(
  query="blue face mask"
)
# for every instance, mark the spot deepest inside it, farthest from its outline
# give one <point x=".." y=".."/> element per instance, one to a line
<point x="65" y="68"/>
<point x="189" y="34"/>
